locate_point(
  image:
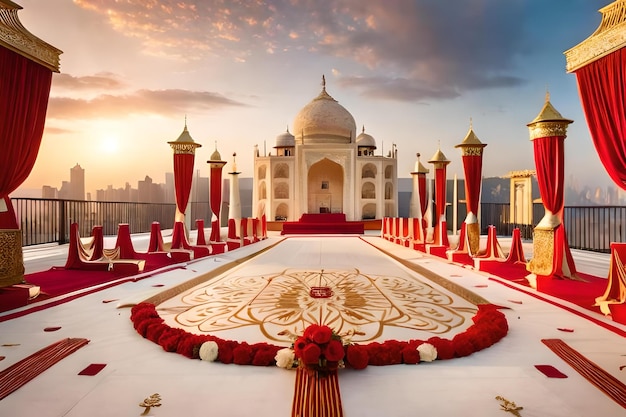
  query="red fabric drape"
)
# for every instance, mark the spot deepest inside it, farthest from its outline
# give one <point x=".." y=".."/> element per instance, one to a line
<point x="440" y="192"/>
<point x="441" y="228"/>
<point x="216" y="202"/>
<point x="602" y="88"/>
<point x="473" y="168"/>
<point x="421" y="184"/>
<point x="24" y="92"/>
<point x="183" y="175"/>
<point x="549" y="159"/>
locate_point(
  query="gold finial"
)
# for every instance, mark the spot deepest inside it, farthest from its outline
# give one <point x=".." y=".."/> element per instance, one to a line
<point x="471" y="123"/>
<point x="509" y="406"/>
<point x="152" y="401"/>
<point x="547" y="94"/>
<point x="363" y="129"/>
<point x="323" y="82"/>
<point x="418" y="155"/>
<point x="185" y="122"/>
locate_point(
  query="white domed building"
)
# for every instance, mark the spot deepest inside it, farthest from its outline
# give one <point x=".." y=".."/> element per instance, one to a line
<point x="324" y="167"/>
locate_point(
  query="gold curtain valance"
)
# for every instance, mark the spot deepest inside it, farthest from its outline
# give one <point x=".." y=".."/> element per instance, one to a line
<point x="610" y="36"/>
<point x="14" y="36"/>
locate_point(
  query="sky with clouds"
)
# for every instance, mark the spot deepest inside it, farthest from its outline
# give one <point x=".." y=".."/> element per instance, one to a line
<point x="412" y="72"/>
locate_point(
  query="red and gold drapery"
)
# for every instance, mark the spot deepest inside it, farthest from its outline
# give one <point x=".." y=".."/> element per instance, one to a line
<point x="183" y="177"/>
<point x="473" y="169"/>
<point x="24" y="92"/>
<point x="599" y="63"/>
<point x="441" y="232"/>
<point x="184" y="156"/>
<point x="553" y="256"/>
<point x="602" y="88"/>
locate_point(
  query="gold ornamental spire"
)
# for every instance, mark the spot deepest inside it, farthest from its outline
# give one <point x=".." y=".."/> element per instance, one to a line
<point x="439" y="159"/>
<point x="548" y="122"/>
<point x="419" y="168"/>
<point x="608" y="37"/>
<point x="471" y="145"/>
<point x="184" y="143"/>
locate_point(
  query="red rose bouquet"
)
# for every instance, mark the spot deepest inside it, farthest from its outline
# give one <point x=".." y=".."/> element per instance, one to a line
<point x="319" y="349"/>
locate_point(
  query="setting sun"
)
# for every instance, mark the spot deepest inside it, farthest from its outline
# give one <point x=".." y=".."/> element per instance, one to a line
<point x="109" y="144"/>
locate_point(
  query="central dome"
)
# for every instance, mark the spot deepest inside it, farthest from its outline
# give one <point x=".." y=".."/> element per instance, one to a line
<point x="324" y="120"/>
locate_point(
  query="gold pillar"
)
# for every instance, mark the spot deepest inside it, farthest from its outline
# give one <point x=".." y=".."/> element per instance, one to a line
<point x="11" y="257"/>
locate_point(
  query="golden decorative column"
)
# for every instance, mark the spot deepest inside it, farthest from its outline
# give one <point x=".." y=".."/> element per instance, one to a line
<point x="472" y="155"/>
<point x="552" y="257"/>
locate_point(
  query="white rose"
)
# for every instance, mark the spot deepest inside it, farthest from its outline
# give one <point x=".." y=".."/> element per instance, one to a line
<point x="208" y="351"/>
<point x="285" y="358"/>
<point x="428" y="352"/>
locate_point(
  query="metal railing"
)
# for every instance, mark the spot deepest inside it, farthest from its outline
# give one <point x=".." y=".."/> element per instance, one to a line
<point x="43" y="220"/>
<point x="591" y="228"/>
<point x="48" y="220"/>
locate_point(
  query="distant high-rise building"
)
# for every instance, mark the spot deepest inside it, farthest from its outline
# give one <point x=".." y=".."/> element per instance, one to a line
<point x="170" y="196"/>
<point x="65" y="192"/>
<point x="77" y="183"/>
<point x="144" y="189"/>
<point x="49" y="192"/>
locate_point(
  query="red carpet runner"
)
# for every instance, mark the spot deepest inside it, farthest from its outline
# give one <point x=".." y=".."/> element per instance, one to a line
<point x="28" y="368"/>
<point x="604" y="381"/>
<point x="316" y="396"/>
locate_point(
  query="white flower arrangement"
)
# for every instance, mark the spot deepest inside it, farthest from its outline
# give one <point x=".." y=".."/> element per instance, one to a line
<point x="208" y="351"/>
<point x="428" y="352"/>
<point x="285" y="358"/>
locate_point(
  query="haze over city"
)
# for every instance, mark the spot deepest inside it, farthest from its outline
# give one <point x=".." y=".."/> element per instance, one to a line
<point x="413" y="73"/>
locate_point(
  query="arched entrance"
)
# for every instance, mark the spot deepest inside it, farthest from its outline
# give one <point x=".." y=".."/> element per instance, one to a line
<point x="325" y="187"/>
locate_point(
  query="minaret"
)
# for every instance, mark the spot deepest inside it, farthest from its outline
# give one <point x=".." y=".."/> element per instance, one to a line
<point x="418" y="205"/>
<point x="552" y="257"/>
<point x="234" y="209"/>
<point x="215" y="199"/>
<point x="440" y="236"/>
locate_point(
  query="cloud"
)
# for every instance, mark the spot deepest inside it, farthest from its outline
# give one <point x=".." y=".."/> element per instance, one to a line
<point x="161" y="102"/>
<point x="53" y="130"/>
<point x="100" y="81"/>
<point x="421" y="49"/>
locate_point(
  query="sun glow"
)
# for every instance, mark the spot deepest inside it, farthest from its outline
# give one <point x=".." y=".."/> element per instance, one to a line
<point x="109" y="144"/>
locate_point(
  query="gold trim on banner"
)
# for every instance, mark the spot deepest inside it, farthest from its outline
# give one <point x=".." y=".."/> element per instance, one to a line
<point x="548" y="129"/>
<point x="608" y="37"/>
<point x="543" y="252"/>
<point x="11" y="257"/>
<point x="14" y="36"/>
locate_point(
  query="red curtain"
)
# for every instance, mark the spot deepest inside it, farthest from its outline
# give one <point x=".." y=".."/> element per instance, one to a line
<point x="549" y="158"/>
<point x="183" y="175"/>
<point x="602" y="88"/>
<point x="24" y="92"/>
<point x="473" y="168"/>
<point x="440" y="192"/>
<point x="421" y="184"/>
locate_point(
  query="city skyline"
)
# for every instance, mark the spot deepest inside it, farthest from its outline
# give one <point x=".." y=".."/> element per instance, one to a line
<point x="413" y="73"/>
<point x="576" y="193"/>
